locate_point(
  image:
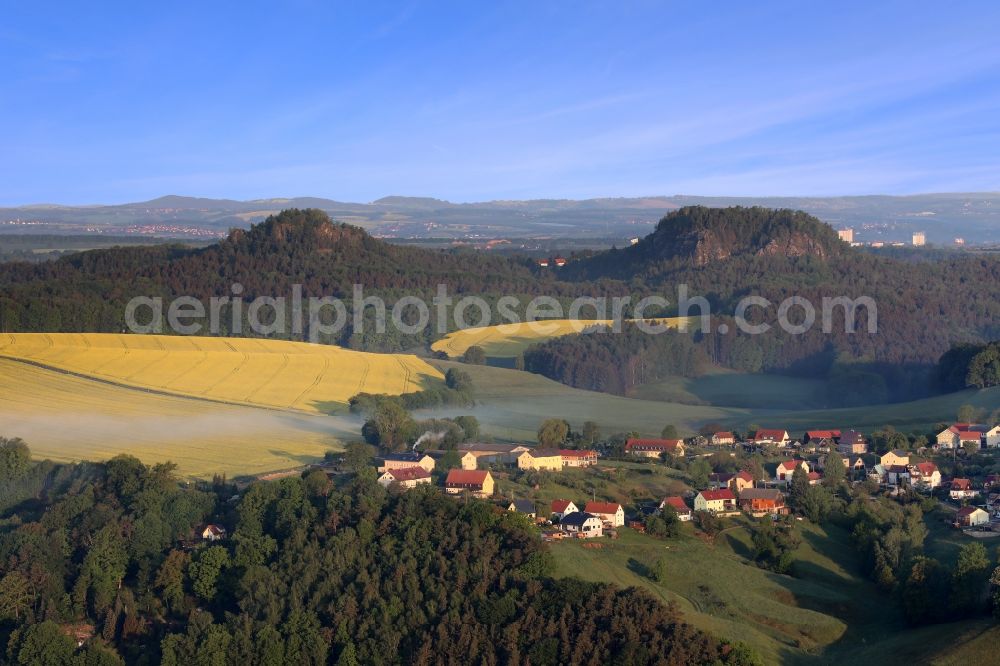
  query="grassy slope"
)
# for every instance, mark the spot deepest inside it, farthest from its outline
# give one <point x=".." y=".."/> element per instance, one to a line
<point x="65" y="418"/>
<point x="734" y="389"/>
<point x="267" y="373"/>
<point x="825" y="613"/>
<point x="511" y="404"/>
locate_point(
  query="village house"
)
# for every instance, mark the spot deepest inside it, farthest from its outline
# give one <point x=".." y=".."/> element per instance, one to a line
<point x="956" y="434"/>
<point x="735" y="482"/>
<point x="561" y="508"/>
<point x="540" y="460"/>
<point x="897" y="475"/>
<point x="723" y="438"/>
<point x="527" y="507"/>
<point x="684" y="512"/>
<point x="814" y="478"/>
<point x="404" y="477"/>
<point x="578" y="457"/>
<point x="715" y="501"/>
<point x="582" y="524"/>
<point x="654" y="448"/>
<point x="778" y="438"/>
<point x="404" y="460"/>
<point x="961" y="489"/>
<point x="477" y="482"/>
<point x="762" y="501"/>
<point x="894" y="457"/>
<point x="610" y="512"/>
<point x="991" y="438"/>
<point x="783" y="473"/>
<point x="852" y="443"/>
<point x="828" y="438"/>
<point x="971" y="516"/>
<point x="213" y="532"/>
<point x="925" y="475"/>
<point x="493" y="454"/>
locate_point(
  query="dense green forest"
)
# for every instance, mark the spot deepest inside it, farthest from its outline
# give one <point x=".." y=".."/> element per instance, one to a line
<point x="311" y="573"/>
<point x="924" y="307"/>
<point x="969" y="366"/>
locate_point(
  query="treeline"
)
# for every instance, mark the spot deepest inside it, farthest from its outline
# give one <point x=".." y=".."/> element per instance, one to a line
<point x="969" y="366"/>
<point x="602" y="360"/>
<point x="310" y="574"/>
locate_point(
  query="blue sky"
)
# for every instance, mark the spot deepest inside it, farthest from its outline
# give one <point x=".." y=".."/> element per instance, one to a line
<point x="106" y="102"/>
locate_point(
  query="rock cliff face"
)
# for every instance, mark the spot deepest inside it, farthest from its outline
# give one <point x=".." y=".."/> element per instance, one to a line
<point x="708" y="235"/>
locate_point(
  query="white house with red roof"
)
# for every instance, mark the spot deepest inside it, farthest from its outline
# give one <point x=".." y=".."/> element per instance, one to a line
<point x="961" y="489"/>
<point x="679" y="505"/>
<point x="783" y="472"/>
<point x="404" y="477"/>
<point x="477" y="482"/>
<point x="213" y="532"/>
<point x="771" y="436"/>
<point x="610" y="512"/>
<point x="562" y="507"/>
<point x="723" y="438"/>
<point x="971" y="516"/>
<point x="991" y="437"/>
<point x="654" y="448"/>
<point x="715" y="501"/>
<point x="956" y="434"/>
<point x="925" y="475"/>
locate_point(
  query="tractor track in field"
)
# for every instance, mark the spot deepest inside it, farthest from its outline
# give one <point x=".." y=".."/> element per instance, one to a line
<point x="151" y="391"/>
<point x="315" y="382"/>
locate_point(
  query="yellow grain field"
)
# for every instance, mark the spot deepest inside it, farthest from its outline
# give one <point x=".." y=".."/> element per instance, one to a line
<point x="260" y="373"/>
<point x="510" y="340"/>
<point x="67" y="418"/>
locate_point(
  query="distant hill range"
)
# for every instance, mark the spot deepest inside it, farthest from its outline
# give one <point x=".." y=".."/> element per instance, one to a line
<point x="973" y="217"/>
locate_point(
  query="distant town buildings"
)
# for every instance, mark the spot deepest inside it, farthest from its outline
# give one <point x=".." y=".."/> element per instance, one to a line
<point x="919" y="239"/>
<point x="846" y="235"/>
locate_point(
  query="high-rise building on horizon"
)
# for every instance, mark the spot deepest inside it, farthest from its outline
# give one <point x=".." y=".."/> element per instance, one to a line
<point x="919" y="239"/>
<point x="846" y="235"/>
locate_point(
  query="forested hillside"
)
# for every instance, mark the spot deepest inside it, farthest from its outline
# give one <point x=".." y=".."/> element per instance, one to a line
<point x="924" y="307"/>
<point x="310" y="574"/>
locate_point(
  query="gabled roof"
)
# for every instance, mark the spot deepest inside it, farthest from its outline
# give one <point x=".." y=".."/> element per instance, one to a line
<point x="560" y="505"/>
<point x="408" y="456"/>
<point x="745" y="475"/>
<point x="602" y="507"/>
<point x="409" y="473"/>
<point x="723" y="494"/>
<point x="466" y="477"/>
<point x="761" y="493"/>
<point x="542" y="453"/>
<point x="770" y="433"/>
<point x="215" y="530"/>
<point x="577" y="453"/>
<point x="721" y="477"/>
<point x="926" y="468"/>
<point x="724" y="434"/>
<point x="967" y="511"/>
<point x="678" y="503"/>
<point x="491" y="448"/>
<point x="523" y="506"/>
<point x="652" y="444"/>
<point x="969" y="435"/>
<point x="577" y="518"/>
<point x="791" y="464"/>
<point x="961" y="484"/>
<point x="822" y="434"/>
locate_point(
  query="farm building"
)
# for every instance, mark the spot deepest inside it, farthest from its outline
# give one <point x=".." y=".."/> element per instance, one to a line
<point x="404" y="460"/>
<point x="405" y="477"/>
<point x="578" y="457"/>
<point x="654" y="448"/>
<point x="477" y="482"/>
<point x="540" y="459"/>
<point x="971" y="516"/>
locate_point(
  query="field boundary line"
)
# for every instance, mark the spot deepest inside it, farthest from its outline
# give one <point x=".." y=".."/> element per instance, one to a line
<point x="153" y="391"/>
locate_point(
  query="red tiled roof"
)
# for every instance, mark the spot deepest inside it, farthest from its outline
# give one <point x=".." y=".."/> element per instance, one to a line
<point x="574" y="453"/>
<point x="814" y="476"/>
<point x="966" y="511"/>
<point x="677" y="502"/>
<point x="409" y="473"/>
<point x="601" y="507"/>
<point x="927" y="468"/>
<point x="745" y="475"/>
<point x="558" y="506"/>
<point x="791" y="464"/>
<point x="466" y="477"/>
<point x="969" y="435"/>
<point x="723" y="494"/>
<point x="961" y="484"/>
<point x="823" y="434"/>
<point x="765" y="433"/>
<point x="652" y="444"/>
<point x="724" y="435"/>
